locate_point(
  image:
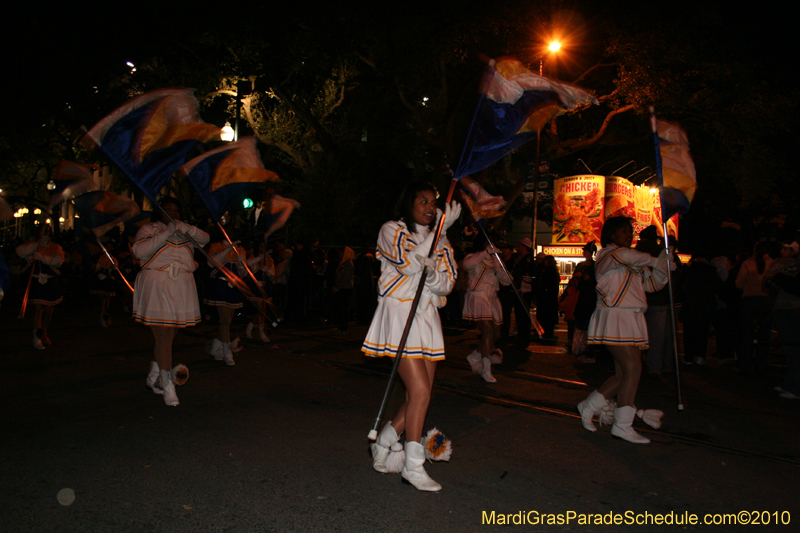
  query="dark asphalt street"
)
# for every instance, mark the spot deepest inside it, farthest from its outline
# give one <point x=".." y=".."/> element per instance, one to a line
<point x="278" y="442"/>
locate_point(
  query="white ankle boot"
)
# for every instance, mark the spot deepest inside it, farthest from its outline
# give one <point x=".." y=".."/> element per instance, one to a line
<point x="589" y="408"/>
<point x="216" y="350"/>
<point x="227" y="354"/>
<point x="168" y="388"/>
<point x="248" y="331"/>
<point x="262" y="335"/>
<point x="381" y="447"/>
<point x="37" y="341"/>
<point x="623" y="418"/>
<point x="474" y="360"/>
<point x="152" y="378"/>
<point x="486" y="373"/>
<point x="414" y="472"/>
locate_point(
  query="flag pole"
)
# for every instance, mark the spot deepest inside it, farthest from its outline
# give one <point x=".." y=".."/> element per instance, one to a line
<point x="373" y="434"/>
<point x="659" y="173"/>
<point x="116" y="266"/>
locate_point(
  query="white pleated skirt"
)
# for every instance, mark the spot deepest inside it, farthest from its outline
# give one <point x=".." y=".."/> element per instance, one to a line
<point x="425" y="339"/>
<point x="159" y="300"/>
<point x="483" y="305"/>
<point x="618" y="327"/>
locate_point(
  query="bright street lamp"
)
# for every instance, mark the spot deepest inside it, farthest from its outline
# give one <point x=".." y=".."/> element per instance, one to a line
<point x="227" y="133"/>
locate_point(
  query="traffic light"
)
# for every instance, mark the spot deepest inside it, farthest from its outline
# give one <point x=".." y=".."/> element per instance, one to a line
<point x="247" y="203"/>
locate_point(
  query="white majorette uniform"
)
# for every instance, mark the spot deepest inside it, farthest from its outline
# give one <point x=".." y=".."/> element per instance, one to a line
<point x="400" y="275"/>
<point x="622" y="280"/>
<point x="164" y="293"/>
<point x="484" y="278"/>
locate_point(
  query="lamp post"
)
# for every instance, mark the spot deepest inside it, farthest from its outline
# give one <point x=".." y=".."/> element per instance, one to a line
<point x="554" y="47"/>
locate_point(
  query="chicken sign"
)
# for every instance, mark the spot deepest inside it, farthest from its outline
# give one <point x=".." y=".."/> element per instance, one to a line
<point x="583" y="203"/>
<point x="578" y="209"/>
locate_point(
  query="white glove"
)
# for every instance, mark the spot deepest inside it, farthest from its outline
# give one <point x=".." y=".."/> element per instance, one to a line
<point x="673" y="264"/>
<point x="430" y="263"/>
<point x="451" y="213"/>
<point x="491" y="250"/>
<point x="182" y="227"/>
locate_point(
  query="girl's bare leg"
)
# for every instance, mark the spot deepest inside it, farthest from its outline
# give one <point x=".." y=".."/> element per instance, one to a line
<point x="486" y="327"/>
<point x="164" y="336"/>
<point x="225" y="319"/>
<point x="417" y="376"/>
<point x="625" y="382"/>
<point x="38" y="311"/>
<point x="47" y="316"/>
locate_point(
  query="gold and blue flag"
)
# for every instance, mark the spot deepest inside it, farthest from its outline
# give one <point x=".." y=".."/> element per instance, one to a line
<point x="152" y="135"/>
<point x="226" y="174"/>
<point x="515" y="105"/>
<point x="677" y="179"/>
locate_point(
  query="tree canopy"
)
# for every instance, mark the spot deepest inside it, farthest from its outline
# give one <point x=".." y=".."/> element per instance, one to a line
<point x="350" y="104"/>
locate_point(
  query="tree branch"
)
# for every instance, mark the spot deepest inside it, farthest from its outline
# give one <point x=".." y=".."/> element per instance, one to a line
<point x="579" y="144"/>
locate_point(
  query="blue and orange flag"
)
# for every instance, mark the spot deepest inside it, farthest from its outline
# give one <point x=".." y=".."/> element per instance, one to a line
<point x="225" y="174"/>
<point x="71" y="179"/>
<point x="151" y="136"/>
<point x="101" y="210"/>
<point x="515" y="105"/>
<point x="677" y="179"/>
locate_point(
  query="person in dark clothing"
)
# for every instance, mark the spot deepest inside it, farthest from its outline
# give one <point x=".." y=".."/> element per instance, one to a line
<point x="301" y="278"/>
<point x="547" y="296"/>
<point x="522" y="271"/>
<point x="506" y="292"/>
<point x="699" y="288"/>
<point x="365" y="279"/>
<point x="587" y="298"/>
<point x="659" y="311"/>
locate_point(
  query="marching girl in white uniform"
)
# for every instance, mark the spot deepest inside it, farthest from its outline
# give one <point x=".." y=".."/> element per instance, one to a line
<point x="165" y="296"/>
<point x="403" y="246"/>
<point x="623" y="276"/>
<point x="481" y="304"/>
